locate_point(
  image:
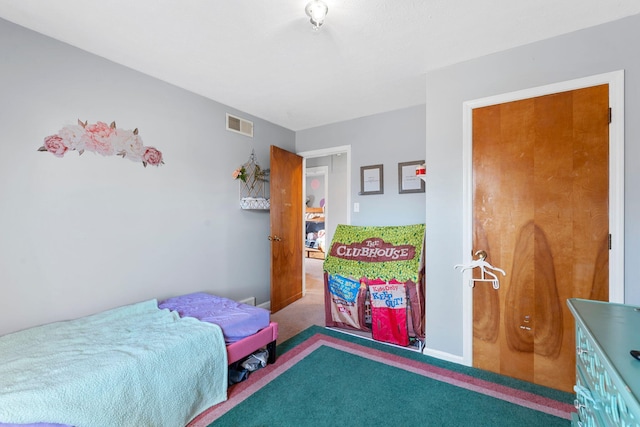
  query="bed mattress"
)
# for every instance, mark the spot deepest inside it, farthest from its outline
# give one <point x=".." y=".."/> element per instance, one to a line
<point x="134" y="365"/>
<point x="236" y="320"/>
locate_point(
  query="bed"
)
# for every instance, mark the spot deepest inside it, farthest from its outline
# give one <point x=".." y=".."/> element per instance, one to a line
<point x="314" y="230"/>
<point x="140" y="364"/>
<point x="245" y="328"/>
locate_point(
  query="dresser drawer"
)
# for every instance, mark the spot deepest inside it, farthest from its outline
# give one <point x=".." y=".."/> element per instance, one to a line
<point x="598" y="380"/>
<point x="602" y="396"/>
<point x="588" y="404"/>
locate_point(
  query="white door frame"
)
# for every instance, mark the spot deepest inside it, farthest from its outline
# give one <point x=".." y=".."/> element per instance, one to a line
<point x="615" y="80"/>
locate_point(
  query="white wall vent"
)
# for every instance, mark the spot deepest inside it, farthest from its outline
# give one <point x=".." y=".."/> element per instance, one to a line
<point x="236" y="124"/>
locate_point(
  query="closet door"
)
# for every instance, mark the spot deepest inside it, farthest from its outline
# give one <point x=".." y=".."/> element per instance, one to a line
<point x="540" y="205"/>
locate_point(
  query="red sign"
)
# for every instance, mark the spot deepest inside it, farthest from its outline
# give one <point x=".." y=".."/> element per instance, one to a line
<point x="373" y="250"/>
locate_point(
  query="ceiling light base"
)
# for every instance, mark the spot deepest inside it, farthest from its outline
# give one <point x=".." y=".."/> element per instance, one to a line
<point x="316" y="10"/>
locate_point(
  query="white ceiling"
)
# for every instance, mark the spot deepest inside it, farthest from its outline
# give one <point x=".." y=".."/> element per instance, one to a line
<point x="263" y="57"/>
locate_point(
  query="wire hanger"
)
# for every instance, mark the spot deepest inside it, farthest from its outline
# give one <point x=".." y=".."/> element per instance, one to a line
<point x="484" y="265"/>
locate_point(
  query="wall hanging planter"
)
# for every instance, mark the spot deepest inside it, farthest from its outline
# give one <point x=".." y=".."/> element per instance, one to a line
<point x="253" y="184"/>
<point x="258" y="203"/>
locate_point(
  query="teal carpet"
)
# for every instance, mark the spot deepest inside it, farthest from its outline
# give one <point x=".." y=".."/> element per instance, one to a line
<point x="332" y="387"/>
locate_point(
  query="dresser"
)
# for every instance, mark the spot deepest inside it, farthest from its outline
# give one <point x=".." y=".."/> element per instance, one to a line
<point x="607" y="377"/>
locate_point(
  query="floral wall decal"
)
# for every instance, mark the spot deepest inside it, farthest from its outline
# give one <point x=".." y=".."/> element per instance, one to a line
<point x="104" y="139"/>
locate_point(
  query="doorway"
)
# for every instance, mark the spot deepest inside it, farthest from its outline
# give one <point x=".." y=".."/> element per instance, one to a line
<point x="337" y="161"/>
<point x="316" y="221"/>
<point x="612" y="84"/>
<point x="317" y="212"/>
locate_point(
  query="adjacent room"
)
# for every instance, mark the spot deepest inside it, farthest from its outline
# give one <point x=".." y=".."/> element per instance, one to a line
<point x="169" y="162"/>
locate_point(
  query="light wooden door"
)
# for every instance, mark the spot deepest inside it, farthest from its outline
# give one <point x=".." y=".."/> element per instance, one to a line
<point x="286" y="225"/>
<point x="540" y="206"/>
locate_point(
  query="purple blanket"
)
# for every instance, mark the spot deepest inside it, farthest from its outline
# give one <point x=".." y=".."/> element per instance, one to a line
<point x="236" y="320"/>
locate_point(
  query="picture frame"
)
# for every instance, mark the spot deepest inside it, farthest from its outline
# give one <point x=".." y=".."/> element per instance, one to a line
<point x="371" y="180"/>
<point x="408" y="181"/>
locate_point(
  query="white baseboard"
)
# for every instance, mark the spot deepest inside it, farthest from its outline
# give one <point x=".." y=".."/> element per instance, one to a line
<point x="248" y="301"/>
<point x="444" y="356"/>
<point x="266" y="305"/>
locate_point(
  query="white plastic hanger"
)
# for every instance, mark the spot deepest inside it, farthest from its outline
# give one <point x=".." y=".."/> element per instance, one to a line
<point x="484" y="265"/>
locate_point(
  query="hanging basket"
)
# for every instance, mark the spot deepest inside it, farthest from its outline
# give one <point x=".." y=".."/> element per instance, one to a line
<point x="254" y="185"/>
<point x="254" y="203"/>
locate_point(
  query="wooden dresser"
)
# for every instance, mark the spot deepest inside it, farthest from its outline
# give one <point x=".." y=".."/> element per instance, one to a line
<point x="607" y="377"/>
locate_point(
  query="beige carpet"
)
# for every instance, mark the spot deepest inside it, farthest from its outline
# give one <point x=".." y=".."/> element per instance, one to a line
<point x="307" y="311"/>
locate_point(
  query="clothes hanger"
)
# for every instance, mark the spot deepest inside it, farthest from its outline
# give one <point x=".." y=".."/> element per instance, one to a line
<point x="483" y="265"/>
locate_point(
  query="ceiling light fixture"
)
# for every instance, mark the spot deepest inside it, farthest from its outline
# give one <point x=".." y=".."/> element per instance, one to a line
<point x="316" y="10"/>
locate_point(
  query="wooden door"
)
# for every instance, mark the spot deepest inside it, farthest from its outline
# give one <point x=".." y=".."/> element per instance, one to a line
<point x="286" y="225"/>
<point x="540" y="206"/>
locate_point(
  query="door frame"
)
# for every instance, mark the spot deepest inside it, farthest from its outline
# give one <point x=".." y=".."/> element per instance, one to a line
<point x="615" y="80"/>
<point x="323" y="152"/>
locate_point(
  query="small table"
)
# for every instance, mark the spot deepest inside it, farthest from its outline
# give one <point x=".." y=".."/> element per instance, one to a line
<point x="308" y="251"/>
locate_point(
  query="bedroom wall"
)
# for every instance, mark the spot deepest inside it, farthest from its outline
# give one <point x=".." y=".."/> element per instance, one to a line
<point x="387" y="138"/>
<point x="315" y="194"/>
<point x="83" y="234"/>
<point x="596" y="50"/>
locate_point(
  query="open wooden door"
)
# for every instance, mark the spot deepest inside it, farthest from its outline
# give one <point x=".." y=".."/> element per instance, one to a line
<point x="286" y="228"/>
<point x="540" y="197"/>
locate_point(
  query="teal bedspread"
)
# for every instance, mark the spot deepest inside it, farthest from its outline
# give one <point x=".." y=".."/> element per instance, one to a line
<point x="131" y="366"/>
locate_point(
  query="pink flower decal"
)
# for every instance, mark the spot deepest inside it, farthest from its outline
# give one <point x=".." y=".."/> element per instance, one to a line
<point x="75" y="137"/>
<point x="100" y="138"/>
<point x="103" y="139"/>
<point x="152" y="157"/>
<point x="55" y="145"/>
<point x="100" y="130"/>
<point x="128" y="144"/>
<point x="100" y="146"/>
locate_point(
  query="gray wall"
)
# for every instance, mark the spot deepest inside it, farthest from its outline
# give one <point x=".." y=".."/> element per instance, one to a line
<point x="388" y="139"/>
<point x="82" y="234"/>
<point x="315" y="195"/>
<point x="597" y="50"/>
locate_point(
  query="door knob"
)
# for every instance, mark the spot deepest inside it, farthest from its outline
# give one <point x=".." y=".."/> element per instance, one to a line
<point x="272" y="238"/>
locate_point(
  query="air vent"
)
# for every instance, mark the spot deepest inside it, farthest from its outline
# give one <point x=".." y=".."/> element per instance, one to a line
<point x="236" y="124"/>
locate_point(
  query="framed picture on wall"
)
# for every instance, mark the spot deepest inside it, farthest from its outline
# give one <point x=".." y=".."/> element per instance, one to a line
<point x="371" y="180"/>
<point x="408" y="181"/>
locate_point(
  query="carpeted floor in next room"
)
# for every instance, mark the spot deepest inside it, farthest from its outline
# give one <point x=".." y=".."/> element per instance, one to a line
<point x="307" y="311"/>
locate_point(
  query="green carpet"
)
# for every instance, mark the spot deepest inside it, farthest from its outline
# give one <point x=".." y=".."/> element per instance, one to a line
<point x="332" y="387"/>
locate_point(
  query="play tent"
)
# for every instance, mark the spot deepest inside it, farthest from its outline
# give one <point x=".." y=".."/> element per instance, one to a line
<point x="374" y="282"/>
